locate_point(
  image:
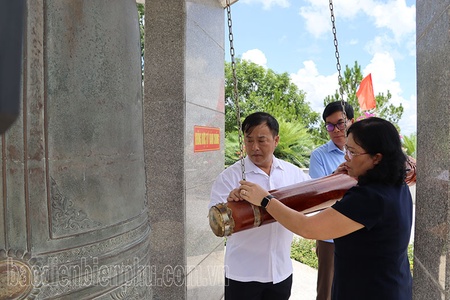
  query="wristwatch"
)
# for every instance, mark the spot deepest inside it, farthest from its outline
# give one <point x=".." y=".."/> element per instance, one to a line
<point x="265" y="201"/>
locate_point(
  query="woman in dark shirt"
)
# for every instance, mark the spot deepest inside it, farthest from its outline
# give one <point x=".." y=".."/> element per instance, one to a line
<point x="370" y="225"/>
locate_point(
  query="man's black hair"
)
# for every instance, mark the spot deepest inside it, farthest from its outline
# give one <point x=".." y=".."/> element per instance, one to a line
<point x="259" y="118"/>
<point x="335" y="106"/>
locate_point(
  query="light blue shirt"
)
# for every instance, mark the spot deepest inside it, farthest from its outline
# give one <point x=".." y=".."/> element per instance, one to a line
<point x="324" y="161"/>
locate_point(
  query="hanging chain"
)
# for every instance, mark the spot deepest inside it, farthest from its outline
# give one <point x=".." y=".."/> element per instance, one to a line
<point x="235" y="91"/>
<point x="338" y="64"/>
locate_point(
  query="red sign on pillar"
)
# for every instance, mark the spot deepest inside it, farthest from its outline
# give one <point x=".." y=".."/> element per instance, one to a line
<point x="206" y="138"/>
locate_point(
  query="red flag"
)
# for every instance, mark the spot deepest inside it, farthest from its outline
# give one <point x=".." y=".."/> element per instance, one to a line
<point x="365" y="95"/>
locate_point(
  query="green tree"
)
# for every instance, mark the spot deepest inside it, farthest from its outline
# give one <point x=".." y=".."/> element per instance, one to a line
<point x="409" y="143"/>
<point x="232" y="147"/>
<point x="295" y="144"/>
<point x="261" y="89"/>
<point x="350" y="82"/>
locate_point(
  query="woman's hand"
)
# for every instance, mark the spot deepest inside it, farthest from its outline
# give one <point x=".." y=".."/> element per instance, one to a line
<point x="252" y="192"/>
<point x="341" y="169"/>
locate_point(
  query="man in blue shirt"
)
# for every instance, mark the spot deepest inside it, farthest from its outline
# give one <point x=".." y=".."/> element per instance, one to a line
<point x="324" y="161"/>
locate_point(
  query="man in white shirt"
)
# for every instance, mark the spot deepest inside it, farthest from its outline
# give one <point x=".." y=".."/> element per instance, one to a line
<point x="257" y="260"/>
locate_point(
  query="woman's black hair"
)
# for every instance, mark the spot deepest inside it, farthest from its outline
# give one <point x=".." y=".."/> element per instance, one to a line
<point x="376" y="135"/>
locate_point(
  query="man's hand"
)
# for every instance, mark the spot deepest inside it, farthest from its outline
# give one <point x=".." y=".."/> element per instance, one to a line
<point x="252" y="192"/>
<point x="235" y="195"/>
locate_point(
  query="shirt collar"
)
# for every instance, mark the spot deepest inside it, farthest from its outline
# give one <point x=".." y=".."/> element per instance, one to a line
<point x="251" y="167"/>
<point x="332" y="147"/>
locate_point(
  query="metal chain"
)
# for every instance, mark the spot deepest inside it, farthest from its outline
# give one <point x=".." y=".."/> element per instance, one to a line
<point x="338" y="64"/>
<point x="235" y="91"/>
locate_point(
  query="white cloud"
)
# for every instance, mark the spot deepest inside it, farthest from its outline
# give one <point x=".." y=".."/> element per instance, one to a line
<point x="317" y="18"/>
<point x="384" y="43"/>
<point x="267" y="4"/>
<point x="316" y="86"/>
<point x="353" y="42"/>
<point x="256" y="56"/>
<point x="382" y="67"/>
<point x="408" y="123"/>
<point x="390" y="26"/>
<point x="394" y="15"/>
<point x="347" y="9"/>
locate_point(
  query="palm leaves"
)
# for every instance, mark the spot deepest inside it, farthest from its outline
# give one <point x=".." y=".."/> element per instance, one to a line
<point x="295" y="145"/>
<point x="409" y="144"/>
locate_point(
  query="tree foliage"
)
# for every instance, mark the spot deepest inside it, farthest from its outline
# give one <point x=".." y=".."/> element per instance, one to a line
<point x="301" y="129"/>
<point x="409" y="143"/>
<point x="350" y="83"/>
<point x="261" y="89"/>
<point x="232" y="147"/>
<point x="295" y="144"/>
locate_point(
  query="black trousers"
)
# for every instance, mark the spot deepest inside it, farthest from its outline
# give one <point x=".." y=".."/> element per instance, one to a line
<point x="253" y="290"/>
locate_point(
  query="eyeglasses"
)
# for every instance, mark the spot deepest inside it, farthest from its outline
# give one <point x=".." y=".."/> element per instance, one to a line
<point x="351" y="153"/>
<point x="330" y="126"/>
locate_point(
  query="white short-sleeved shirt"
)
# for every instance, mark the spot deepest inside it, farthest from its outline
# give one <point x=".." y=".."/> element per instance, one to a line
<point x="259" y="254"/>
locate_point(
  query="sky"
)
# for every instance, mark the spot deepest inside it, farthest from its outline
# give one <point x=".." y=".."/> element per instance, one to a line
<point x="295" y="36"/>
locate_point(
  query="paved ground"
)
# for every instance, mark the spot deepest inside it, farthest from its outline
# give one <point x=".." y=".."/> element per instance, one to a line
<point x="304" y="282"/>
